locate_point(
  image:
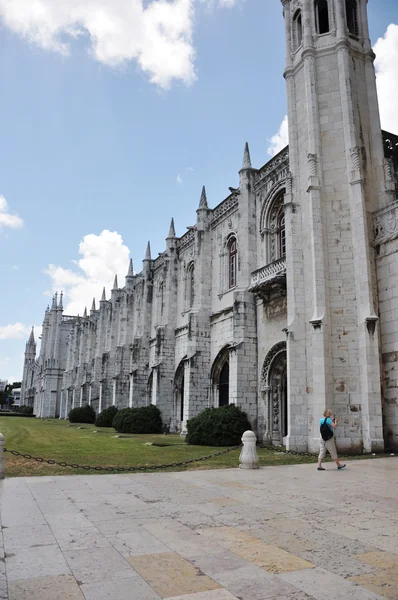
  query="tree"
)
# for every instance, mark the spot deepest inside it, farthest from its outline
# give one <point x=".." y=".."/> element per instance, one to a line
<point x="6" y="398"/>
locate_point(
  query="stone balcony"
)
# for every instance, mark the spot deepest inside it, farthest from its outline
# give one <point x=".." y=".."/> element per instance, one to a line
<point x="270" y="280"/>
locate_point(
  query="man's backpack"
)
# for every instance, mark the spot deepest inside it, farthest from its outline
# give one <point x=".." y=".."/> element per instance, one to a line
<point x="326" y="433"/>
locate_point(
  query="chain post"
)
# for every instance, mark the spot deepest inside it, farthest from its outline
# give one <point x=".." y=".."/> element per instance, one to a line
<point x="2" y="444"/>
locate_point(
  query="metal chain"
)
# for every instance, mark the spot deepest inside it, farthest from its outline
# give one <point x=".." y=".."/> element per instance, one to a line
<point x="120" y="469"/>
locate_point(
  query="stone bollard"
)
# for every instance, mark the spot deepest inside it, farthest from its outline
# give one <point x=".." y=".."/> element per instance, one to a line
<point x="248" y="458"/>
<point x="2" y="444"/>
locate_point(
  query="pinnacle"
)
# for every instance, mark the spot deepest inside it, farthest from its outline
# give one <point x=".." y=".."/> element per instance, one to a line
<point x="148" y="252"/>
<point x="172" y="231"/>
<point x="93" y="305"/>
<point x="103" y="298"/>
<point x="60" y="305"/>
<point x="115" y="285"/>
<point x="130" y="272"/>
<point x="54" y="302"/>
<point x="85" y="313"/>
<point x="32" y="337"/>
<point x="247" y="163"/>
<point x="203" y="199"/>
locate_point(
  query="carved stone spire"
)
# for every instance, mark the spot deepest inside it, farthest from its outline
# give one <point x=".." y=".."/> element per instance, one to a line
<point x="148" y="252"/>
<point x="54" y="303"/>
<point x="247" y="163"/>
<point x="103" y="298"/>
<point x="31" y="340"/>
<point x="172" y="231"/>
<point x="85" y="313"/>
<point x="130" y="272"/>
<point x="115" y="285"/>
<point x="203" y="199"/>
<point x="60" y="304"/>
<point x="93" y="305"/>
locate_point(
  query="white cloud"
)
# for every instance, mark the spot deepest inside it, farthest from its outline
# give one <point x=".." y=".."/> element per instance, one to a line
<point x="14" y="332"/>
<point x="280" y="140"/>
<point x="102" y="256"/>
<point x="7" y="219"/>
<point x="157" y="34"/>
<point x="386" y="49"/>
<point x="179" y="178"/>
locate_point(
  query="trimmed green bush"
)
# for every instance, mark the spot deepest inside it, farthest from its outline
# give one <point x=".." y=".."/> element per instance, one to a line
<point x="82" y="414"/>
<point x="25" y="410"/>
<point x="222" y="426"/>
<point x="146" y="419"/>
<point x="105" y="418"/>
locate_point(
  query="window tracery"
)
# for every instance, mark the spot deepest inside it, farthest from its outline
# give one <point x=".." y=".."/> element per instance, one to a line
<point x="232" y="262"/>
<point x="190" y="286"/>
<point x="275" y="229"/>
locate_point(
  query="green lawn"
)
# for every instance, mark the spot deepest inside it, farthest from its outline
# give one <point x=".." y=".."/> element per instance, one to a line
<point x="72" y="443"/>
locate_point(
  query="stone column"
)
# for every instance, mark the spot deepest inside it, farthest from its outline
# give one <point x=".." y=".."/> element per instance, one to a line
<point x="267" y="438"/>
<point x="61" y="405"/>
<point x="131" y="390"/>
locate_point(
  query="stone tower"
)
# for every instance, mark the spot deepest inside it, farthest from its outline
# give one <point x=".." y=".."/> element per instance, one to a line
<point x="28" y="370"/>
<point x="336" y="165"/>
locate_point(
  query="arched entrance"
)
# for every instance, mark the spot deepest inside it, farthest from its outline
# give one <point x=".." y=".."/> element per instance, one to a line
<point x="220" y="378"/>
<point x="179" y="390"/>
<point x="274" y="389"/>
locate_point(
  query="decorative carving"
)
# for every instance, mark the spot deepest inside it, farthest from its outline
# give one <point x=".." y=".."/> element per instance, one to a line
<point x="275" y="350"/>
<point x="186" y="240"/>
<point x="355" y="158"/>
<point x="222" y="210"/>
<point x="289" y="183"/>
<point x="386" y="224"/>
<point x="388" y="169"/>
<point x="371" y="324"/>
<point x="312" y="165"/>
<point x="269" y="272"/>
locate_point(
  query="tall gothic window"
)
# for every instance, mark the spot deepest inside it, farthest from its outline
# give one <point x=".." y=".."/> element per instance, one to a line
<point x="232" y="262"/>
<point x="190" y="285"/>
<point x="161" y="299"/>
<point x="297" y="30"/>
<point x="322" y="16"/>
<point x="281" y="233"/>
<point x="351" y="9"/>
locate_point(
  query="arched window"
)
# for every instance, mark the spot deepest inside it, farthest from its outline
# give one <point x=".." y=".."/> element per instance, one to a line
<point x="351" y="9"/>
<point x="161" y="299"/>
<point x="297" y="30"/>
<point x="281" y="233"/>
<point x="232" y="262"/>
<point x="322" y="16"/>
<point x="190" y="285"/>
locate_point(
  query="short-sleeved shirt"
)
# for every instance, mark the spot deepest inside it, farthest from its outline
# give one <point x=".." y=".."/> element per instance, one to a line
<point x="328" y="421"/>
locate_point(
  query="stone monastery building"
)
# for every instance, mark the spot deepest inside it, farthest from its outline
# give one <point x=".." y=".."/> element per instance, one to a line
<point x="283" y="299"/>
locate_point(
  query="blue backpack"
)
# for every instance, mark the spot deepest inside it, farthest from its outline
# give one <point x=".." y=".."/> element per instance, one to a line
<point x="325" y="431"/>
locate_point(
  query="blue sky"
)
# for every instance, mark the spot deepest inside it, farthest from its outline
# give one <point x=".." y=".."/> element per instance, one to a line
<point x="122" y="136"/>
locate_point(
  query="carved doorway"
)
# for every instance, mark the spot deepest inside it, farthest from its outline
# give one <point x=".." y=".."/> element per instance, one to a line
<point x="274" y="388"/>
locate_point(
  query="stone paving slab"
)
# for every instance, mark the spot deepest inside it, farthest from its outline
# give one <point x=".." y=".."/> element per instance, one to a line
<point x="279" y="533"/>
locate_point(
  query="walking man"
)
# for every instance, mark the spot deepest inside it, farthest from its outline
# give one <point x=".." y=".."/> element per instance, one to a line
<point x="326" y="440"/>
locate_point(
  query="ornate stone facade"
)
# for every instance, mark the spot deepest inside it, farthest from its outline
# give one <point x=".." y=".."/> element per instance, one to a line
<point x="279" y="299"/>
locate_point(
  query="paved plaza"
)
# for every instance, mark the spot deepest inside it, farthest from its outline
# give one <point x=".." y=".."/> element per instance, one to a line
<point x="280" y="533"/>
